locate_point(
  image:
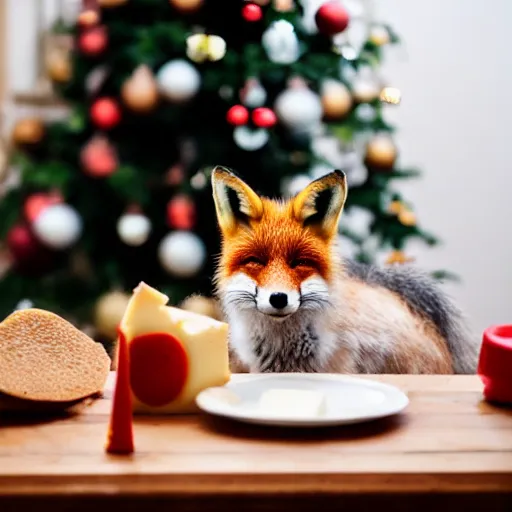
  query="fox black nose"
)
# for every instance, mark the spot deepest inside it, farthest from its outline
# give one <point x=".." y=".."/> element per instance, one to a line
<point x="278" y="300"/>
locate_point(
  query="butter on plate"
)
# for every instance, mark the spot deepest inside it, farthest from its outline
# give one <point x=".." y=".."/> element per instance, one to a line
<point x="293" y="403"/>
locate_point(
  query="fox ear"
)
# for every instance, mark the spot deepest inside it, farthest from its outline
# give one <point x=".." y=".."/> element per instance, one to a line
<point x="235" y="201"/>
<point x="320" y="204"/>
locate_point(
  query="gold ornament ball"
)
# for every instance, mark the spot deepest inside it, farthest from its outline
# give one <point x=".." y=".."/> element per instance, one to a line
<point x="29" y="131"/>
<point x="111" y="3"/>
<point x="336" y="100"/>
<point x="381" y="153"/>
<point x="202" y="305"/>
<point x="140" y="91"/>
<point x="379" y="35"/>
<point x="407" y="218"/>
<point x="395" y="207"/>
<point x="59" y="67"/>
<point x="186" y="5"/>
<point x="109" y="312"/>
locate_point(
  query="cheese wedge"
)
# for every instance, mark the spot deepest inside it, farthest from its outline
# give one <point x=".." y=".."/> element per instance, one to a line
<point x="173" y="354"/>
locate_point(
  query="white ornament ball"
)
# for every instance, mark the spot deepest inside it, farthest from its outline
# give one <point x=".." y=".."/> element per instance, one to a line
<point x="296" y="184"/>
<point x="182" y="253"/>
<point x="133" y="229"/>
<point x="248" y="139"/>
<point x="281" y="42"/>
<point x="299" y="108"/>
<point x="255" y="96"/>
<point x="178" y="80"/>
<point x="58" y="226"/>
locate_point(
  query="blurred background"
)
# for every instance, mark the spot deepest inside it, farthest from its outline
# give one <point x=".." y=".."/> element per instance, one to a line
<point x="114" y="112"/>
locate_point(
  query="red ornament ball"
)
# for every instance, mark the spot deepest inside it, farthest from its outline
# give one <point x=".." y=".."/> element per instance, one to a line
<point x="28" y="254"/>
<point x="237" y="115"/>
<point x="93" y="41"/>
<point x="36" y="203"/>
<point x="105" y="113"/>
<point x="252" y="12"/>
<point x="99" y="158"/>
<point x="331" y="18"/>
<point x="181" y="213"/>
<point x="264" y="117"/>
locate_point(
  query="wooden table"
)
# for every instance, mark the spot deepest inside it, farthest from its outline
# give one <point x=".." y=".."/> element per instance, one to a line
<point x="448" y="449"/>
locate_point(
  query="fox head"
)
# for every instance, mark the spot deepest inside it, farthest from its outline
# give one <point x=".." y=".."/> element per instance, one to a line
<point x="276" y="254"/>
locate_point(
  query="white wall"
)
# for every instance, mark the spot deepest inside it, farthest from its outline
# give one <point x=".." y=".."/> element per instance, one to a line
<point x="455" y="73"/>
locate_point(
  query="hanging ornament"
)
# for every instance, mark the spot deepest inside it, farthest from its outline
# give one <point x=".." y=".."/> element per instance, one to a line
<point x="108" y="313"/>
<point x="140" y="91"/>
<point x="395" y="207"/>
<point x="89" y="14"/>
<point x="357" y="221"/>
<point x="407" y="218"/>
<point x="175" y="175"/>
<point x="58" y="226"/>
<point x="181" y="212"/>
<point x="279" y="5"/>
<point x="58" y="65"/>
<point x="36" y="203"/>
<point x="202" y="306"/>
<point x="398" y="258"/>
<point x="331" y="18"/>
<point x="26" y="251"/>
<point x="105" y="113"/>
<point x="98" y="157"/>
<point x="365" y="86"/>
<point x="264" y="117"/>
<point x="93" y="41"/>
<point x="186" y="6"/>
<point x="252" y="12"/>
<point x="292" y="186"/>
<point x="237" y="115"/>
<point x="299" y="108"/>
<point x="182" y="254"/>
<point x="336" y="99"/>
<point x="381" y="153"/>
<point x="281" y="43"/>
<point x="248" y="139"/>
<point x="253" y="95"/>
<point x="28" y="132"/>
<point x="111" y="3"/>
<point x="198" y="181"/>
<point x="133" y="229"/>
<point x="379" y="35"/>
<point x="178" y="80"/>
<point x="203" y="47"/>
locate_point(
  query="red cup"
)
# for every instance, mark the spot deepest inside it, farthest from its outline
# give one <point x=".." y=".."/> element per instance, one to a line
<point x="495" y="363"/>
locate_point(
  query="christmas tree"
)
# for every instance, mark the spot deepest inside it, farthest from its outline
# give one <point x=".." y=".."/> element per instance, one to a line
<point x="162" y="91"/>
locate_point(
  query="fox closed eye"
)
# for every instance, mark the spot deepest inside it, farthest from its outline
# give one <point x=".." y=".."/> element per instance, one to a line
<point x="302" y="262"/>
<point x="252" y="260"/>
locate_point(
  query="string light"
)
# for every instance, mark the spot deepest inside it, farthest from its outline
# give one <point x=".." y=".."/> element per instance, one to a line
<point x="391" y="95"/>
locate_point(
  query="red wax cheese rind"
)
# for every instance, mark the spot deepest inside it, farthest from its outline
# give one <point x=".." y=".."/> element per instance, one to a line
<point x="158" y="368"/>
<point x="495" y="363"/>
<point x="120" y="433"/>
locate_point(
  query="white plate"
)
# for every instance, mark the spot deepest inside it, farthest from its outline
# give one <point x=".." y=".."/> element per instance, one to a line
<point x="349" y="399"/>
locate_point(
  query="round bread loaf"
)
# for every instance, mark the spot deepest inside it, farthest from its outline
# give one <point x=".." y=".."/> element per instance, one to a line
<point x="47" y="359"/>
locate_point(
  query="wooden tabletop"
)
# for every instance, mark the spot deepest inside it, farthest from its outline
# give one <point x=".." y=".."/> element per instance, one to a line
<point x="447" y="442"/>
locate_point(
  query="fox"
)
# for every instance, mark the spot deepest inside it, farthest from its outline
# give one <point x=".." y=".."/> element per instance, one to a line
<point x="294" y="304"/>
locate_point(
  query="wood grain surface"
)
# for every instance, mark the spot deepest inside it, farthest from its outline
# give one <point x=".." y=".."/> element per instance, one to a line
<point x="447" y="443"/>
